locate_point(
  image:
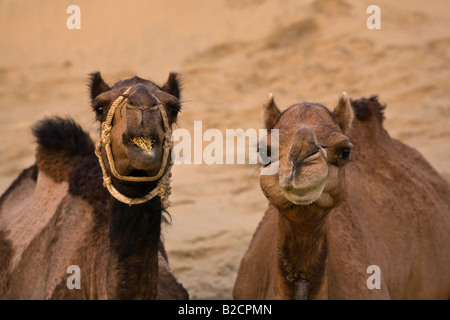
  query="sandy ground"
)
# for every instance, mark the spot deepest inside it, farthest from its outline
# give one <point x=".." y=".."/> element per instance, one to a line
<point x="231" y="55"/>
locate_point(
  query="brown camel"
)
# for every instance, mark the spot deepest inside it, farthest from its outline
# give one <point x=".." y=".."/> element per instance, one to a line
<point x="371" y="225"/>
<point x="58" y="214"/>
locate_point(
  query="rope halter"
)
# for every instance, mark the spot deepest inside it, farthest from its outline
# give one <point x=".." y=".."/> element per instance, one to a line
<point x="163" y="188"/>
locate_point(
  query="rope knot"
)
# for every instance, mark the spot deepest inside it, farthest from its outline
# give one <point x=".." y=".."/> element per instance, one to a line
<point x="106" y="181"/>
<point x="161" y="192"/>
<point x="168" y="144"/>
<point x="106" y="140"/>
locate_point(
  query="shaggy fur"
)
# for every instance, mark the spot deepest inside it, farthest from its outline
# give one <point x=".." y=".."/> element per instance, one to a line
<point x="365" y="109"/>
<point x="60" y="141"/>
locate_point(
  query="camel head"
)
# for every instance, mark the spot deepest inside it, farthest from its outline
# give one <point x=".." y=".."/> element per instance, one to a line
<point x="313" y="151"/>
<point x="137" y="131"/>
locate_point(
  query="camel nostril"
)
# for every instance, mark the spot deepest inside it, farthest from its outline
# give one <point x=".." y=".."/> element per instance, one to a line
<point x="297" y="166"/>
<point x="301" y="158"/>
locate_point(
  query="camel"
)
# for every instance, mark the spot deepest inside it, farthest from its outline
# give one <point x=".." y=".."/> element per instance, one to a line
<point x="352" y="213"/>
<point x="99" y="209"/>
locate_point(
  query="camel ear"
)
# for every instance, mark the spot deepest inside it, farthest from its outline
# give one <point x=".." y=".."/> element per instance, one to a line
<point x="344" y="112"/>
<point x="97" y="85"/>
<point x="271" y="113"/>
<point x="172" y="85"/>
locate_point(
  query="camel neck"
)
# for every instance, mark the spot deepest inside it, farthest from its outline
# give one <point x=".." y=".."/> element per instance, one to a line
<point x="302" y="249"/>
<point x="134" y="240"/>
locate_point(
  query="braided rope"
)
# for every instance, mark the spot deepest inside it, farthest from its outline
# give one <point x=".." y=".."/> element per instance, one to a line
<point x="163" y="188"/>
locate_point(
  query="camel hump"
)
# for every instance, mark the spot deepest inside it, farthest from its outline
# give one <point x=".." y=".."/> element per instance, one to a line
<point x="367" y="108"/>
<point x="59" y="142"/>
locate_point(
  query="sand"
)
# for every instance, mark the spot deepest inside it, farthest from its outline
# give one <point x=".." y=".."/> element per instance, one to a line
<point x="231" y="55"/>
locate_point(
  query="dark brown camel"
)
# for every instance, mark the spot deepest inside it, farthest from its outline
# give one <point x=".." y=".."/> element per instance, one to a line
<point x="347" y="197"/>
<point x="57" y="213"/>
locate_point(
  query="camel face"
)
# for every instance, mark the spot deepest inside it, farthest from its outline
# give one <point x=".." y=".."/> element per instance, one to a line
<point x="137" y="129"/>
<point x="313" y="151"/>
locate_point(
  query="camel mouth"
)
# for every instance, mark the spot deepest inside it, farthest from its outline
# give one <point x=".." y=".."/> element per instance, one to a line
<point x="144" y="143"/>
<point x="138" y="173"/>
<point x="144" y="153"/>
<point x="304" y="196"/>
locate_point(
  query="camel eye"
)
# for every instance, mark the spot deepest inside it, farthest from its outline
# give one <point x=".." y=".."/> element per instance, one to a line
<point x="345" y="153"/>
<point x="99" y="111"/>
<point x="172" y="108"/>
